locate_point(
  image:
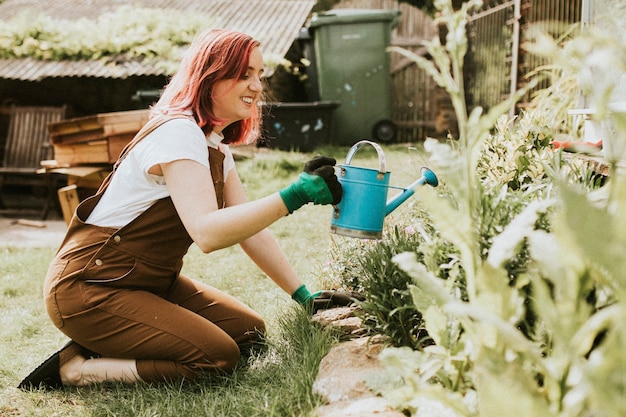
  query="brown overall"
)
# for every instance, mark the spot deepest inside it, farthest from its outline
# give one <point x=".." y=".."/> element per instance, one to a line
<point x="119" y="292"/>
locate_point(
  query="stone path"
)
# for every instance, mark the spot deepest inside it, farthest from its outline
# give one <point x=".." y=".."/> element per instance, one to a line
<point x="344" y="370"/>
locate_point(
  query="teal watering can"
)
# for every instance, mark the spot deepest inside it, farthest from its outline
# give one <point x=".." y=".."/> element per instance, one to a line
<point x="364" y="205"/>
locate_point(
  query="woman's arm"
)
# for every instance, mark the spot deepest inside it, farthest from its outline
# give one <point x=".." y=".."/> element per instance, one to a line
<point x="191" y="189"/>
<point x="262" y="247"/>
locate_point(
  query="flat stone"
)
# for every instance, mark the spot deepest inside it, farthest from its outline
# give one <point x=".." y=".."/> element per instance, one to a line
<point x="341" y="318"/>
<point x="344" y="370"/>
<point x="342" y="376"/>
<point x="327" y="317"/>
<point x="364" y="407"/>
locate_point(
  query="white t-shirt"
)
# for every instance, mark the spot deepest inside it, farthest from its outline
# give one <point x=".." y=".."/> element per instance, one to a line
<point x="133" y="190"/>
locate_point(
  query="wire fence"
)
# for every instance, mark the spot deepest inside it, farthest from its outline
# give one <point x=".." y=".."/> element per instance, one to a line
<point x="497" y="32"/>
<point x="497" y="64"/>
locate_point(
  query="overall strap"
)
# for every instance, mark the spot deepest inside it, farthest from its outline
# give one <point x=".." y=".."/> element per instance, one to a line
<point x="143" y="132"/>
<point x="216" y="162"/>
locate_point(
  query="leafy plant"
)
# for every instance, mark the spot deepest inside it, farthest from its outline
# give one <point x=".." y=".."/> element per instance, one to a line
<point x="566" y="241"/>
<point x="128" y="33"/>
<point x="388" y="307"/>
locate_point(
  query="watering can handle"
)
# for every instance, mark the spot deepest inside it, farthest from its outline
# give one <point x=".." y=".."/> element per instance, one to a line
<point x="382" y="169"/>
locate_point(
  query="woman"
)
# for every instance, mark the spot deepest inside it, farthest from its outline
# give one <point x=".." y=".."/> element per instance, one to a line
<point x="115" y="288"/>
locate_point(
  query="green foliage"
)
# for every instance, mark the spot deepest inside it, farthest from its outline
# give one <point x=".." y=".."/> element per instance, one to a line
<point x="128" y="33"/>
<point x="537" y="321"/>
<point x="388" y="308"/>
<point x="542" y="372"/>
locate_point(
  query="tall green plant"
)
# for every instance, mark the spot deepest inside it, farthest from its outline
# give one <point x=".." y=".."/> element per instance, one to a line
<point x="458" y="163"/>
<point x="482" y="364"/>
<point x="597" y="60"/>
<point x="128" y="33"/>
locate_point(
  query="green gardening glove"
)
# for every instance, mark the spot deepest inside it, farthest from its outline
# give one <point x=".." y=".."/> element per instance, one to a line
<point x="303" y="296"/>
<point x="318" y="184"/>
<point x="323" y="300"/>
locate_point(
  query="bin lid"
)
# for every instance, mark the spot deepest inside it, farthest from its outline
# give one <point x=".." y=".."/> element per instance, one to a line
<point x="346" y="16"/>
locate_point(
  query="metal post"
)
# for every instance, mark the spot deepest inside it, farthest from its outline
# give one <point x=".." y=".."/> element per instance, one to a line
<point x="586" y="19"/>
<point x="517" y="15"/>
<point x="587" y="12"/>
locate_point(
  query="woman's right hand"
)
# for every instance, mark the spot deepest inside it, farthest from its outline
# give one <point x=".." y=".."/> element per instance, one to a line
<point x="317" y="184"/>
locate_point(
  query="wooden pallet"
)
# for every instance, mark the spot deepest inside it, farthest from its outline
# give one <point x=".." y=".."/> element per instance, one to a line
<point x="96" y="139"/>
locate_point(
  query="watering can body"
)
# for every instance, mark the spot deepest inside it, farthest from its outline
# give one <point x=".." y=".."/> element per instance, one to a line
<point x="361" y="213"/>
<point x="364" y="205"/>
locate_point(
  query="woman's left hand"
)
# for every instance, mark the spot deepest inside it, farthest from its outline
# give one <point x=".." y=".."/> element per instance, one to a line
<point x="331" y="299"/>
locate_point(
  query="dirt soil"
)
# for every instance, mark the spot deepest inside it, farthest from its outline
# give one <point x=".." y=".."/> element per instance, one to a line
<point x="18" y="232"/>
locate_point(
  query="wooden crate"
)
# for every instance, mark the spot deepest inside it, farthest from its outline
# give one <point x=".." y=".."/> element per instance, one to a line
<point x="98" y="126"/>
<point x="83" y="182"/>
<point x="69" y="200"/>
<point x="96" y="139"/>
<point x="95" y="152"/>
<point x="105" y="151"/>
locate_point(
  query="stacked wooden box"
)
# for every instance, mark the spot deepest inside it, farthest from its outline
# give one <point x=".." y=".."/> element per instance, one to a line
<point x="96" y="139"/>
<point x="85" y="148"/>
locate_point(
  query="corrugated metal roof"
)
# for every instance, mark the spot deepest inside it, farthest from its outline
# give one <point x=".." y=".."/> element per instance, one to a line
<point x="276" y="23"/>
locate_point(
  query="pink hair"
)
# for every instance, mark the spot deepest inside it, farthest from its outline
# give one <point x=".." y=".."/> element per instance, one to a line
<point x="213" y="56"/>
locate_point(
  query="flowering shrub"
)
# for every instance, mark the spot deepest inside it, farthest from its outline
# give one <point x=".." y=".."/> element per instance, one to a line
<point x="533" y="326"/>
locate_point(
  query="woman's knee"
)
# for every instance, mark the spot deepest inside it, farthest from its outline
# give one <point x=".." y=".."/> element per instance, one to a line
<point x="252" y="329"/>
<point x="258" y="324"/>
<point x="219" y="355"/>
<point x="226" y="359"/>
<point x="217" y="360"/>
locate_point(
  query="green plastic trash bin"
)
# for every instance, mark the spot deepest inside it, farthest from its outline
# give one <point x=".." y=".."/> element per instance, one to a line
<point x="352" y="67"/>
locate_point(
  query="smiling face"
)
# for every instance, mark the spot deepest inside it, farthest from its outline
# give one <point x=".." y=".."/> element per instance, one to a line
<point x="234" y="100"/>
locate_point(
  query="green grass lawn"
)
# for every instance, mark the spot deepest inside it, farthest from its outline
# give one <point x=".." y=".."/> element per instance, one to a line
<point x="273" y="383"/>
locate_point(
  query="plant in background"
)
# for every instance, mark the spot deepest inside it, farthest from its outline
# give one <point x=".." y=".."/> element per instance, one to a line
<point x="596" y="59"/>
<point x="367" y="266"/>
<point x="562" y="245"/>
<point x="128" y="33"/>
<point x="388" y="307"/>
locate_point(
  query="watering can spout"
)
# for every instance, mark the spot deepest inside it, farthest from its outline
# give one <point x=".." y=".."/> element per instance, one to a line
<point x="428" y="177"/>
